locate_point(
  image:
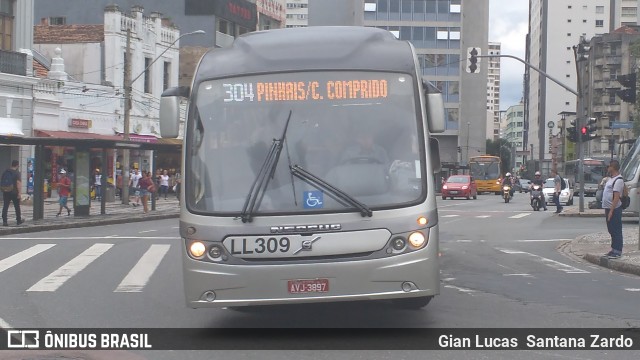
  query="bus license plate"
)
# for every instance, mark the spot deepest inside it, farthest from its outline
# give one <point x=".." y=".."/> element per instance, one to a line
<point x="308" y="286"/>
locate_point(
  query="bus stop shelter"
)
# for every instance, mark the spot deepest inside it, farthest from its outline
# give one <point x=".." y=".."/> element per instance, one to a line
<point x="82" y="174"/>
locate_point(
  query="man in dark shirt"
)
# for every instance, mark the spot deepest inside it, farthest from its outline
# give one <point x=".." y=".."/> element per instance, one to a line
<point x="12" y="196"/>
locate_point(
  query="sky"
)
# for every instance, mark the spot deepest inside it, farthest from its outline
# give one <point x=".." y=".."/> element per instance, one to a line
<point x="508" y="25"/>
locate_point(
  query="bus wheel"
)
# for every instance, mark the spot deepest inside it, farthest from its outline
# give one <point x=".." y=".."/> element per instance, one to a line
<point x="415" y="303"/>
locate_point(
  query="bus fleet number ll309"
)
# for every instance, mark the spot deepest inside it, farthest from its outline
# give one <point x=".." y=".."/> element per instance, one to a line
<point x="260" y="245"/>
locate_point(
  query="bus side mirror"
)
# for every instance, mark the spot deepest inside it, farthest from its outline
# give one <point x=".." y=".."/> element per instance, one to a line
<point x="170" y="111"/>
<point x="435" y="107"/>
<point x="434" y="155"/>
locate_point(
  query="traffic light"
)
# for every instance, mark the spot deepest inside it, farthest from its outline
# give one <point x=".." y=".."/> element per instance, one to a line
<point x="591" y="129"/>
<point x="628" y="94"/>
<point x="472" y="60"/>
<point x="572" y="134"/>
<point x="459" y="150"/>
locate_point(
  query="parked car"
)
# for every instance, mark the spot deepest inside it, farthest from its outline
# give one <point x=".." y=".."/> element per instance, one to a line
<point x="566" y="195"/>
<point x="524" y="185"/>
<point x="460" y="186"/>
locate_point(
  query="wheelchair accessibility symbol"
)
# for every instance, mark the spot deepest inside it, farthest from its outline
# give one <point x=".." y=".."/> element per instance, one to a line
<point x="313" y="199"/>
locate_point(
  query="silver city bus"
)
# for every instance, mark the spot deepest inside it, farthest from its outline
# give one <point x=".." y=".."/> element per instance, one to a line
<point x="308" y="170"/>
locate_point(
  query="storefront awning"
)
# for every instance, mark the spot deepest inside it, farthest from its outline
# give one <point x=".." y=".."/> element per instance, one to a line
<point x="75" y="135"/>
<point x="170" y="141"/>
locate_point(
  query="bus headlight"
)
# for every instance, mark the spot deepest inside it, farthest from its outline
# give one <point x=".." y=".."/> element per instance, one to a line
<point x="197" y="249"/>
<point x="417" y="239"/>
<point x="398" y="243"/>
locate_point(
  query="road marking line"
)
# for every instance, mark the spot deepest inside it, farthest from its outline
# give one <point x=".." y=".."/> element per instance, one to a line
<point x="16" y="259"/>
<point x="5" y="325"/>
<point x="519" y="216"/>
<point x="140" y="274"/>
<point x="54" y="280"/>
<point x="110" y="237"/>
<point x="146" y="231"/>
<point x="543" y="240"/>
<point x="449" y="216"/>
<point x="483" y="216"/>
<point x="632" y="289"/>
<point x="464" y="241"/>
<point x="523" y="275"/>
<point x="461" y="289"/>
<point x="551" y="263"/>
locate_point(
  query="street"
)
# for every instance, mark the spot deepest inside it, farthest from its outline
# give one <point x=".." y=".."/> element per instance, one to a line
<point x="501" y="267"/>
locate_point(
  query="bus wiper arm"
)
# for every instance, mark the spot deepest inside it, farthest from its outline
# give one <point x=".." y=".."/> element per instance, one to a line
<point x="333" y="191"/>
<point x="266" y="173"/>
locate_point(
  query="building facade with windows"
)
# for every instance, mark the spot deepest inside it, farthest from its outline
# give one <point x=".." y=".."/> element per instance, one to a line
<point x="297" y="13"/>
<point x="555" y="27"/>
<point x="442" y="31"/>
<point x="624" y="12"/>
<point x="513" y="130"/>
<point x="16" y="79"/>
<point x="493" y="92"/>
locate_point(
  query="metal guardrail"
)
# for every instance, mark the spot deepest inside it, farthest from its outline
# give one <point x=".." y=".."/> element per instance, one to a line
<point x="12" y="62"/>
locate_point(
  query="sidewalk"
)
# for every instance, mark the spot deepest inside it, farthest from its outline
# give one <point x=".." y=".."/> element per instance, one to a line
<point x="572" y="211"/>
<point x="115" y="213"/>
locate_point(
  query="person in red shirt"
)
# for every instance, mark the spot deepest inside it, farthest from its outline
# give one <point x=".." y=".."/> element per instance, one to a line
<point x="64" y="189"/>
<point x="147" y="188"/>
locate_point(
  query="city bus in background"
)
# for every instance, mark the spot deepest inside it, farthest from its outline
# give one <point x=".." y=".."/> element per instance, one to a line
<point x="486" y="171"/>
<point x="308" y="170"/>
<point x="629" y="169"/>
<point x="594" y="171"/>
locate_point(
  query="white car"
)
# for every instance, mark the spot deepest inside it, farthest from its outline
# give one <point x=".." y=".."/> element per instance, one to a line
<point x="566" y="195"/>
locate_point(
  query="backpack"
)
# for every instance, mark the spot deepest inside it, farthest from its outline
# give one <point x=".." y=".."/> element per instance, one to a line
<point x="624" y="197"/>
<point x="7" y="181"/>
<point x="563" y="184"/>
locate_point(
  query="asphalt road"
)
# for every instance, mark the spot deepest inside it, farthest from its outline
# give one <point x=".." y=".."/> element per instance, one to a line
<point x="500" y="268"/>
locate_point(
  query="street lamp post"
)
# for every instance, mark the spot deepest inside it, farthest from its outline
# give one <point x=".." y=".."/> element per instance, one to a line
<point x="127" y="105"/>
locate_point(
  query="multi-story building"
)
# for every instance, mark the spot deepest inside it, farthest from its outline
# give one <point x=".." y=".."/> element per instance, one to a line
<point x="442" y="32"/>
<point x="555" y="27"/>
<point x="609" y="58"/>
<point x="297" y="13"/>
<point x="493" y="92"/>
<point x="16" y="79"/>
<point x="513" y="130"/>
<point x="625" y="12"/>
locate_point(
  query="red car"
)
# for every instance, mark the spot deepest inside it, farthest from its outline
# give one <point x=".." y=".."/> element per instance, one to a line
<point x="459" y="186"/>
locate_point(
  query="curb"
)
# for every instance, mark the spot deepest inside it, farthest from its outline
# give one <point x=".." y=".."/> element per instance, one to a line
<point x="88" y="223"/>
<point x="591" y="215"/>
<point x="613" y="264"/>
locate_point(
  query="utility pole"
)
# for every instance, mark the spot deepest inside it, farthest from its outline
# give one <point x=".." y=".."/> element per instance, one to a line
<point x="127" y="118"/>
<point x="578" y="52"/>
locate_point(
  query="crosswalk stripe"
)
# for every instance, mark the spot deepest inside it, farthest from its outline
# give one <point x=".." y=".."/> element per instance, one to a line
<point x="483" y="216"/>
<point x="448" y="216"/>
<point x="140" y="274"/>
<point x="54" y="280"/>
<point x="519" y="216"/>
<point x="16" y="259"/>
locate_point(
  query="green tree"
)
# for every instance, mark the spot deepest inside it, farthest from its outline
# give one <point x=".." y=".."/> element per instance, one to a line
<point x="501" y="148"/>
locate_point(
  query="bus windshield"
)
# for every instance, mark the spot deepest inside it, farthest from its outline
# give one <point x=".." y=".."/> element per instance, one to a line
<point x="485" y="169"/>
<point x="357" y="131"/>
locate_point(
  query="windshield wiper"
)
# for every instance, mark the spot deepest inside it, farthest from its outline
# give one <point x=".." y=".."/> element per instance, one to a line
<point x="266" y="173"/>
<point x="339" y="195"/>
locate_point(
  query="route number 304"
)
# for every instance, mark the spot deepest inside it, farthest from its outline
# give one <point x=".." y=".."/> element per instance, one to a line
<point x="238" y="92"/>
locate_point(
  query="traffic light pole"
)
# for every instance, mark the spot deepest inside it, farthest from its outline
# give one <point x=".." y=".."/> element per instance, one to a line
<point x="579" y="124"/>
<point x="578" y="112"/>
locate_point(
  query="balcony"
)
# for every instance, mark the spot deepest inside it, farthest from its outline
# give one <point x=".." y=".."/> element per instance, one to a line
<point x="12" y="62"/>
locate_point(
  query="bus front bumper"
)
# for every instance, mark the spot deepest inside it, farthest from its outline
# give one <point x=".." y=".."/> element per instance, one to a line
<point x="414" y="274"/>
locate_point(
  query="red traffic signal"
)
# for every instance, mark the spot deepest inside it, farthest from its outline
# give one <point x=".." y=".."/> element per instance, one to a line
<point x="584" y="130"/>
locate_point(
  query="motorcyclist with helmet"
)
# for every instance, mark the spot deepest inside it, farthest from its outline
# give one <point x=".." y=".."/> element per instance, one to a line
<point x="538" y="181"/>
<point x="508" y="181"/>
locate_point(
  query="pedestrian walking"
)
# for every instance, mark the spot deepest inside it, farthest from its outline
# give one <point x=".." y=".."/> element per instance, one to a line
<point x="612" y="206"/>
<point x="10" y="184"/>
<point x="147" y="188"/>
<point x="557" y="181"/>
<point x="164" y="184"/>
<point x="98" y="184"/>
<point x="133" y="186"/>
<point x="176" y="187"/>
<point x="64" y="189"/>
